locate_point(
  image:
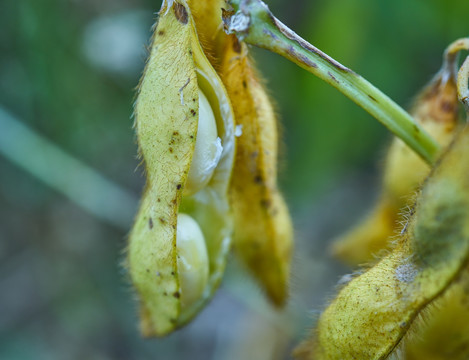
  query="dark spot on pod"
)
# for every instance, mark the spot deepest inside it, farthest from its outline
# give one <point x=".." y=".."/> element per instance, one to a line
<point x="172" y="273"/>
<point x="447" y="106"/>
<point x="150" y="223"/>
<point x="194" y="100"/>
<point x="162" y="220"/>
<point x="258" y="179"/>
<point x="178" y="186"/>
<point x="236" y="45"/>
<point x="181" y="13"/>
<point x="190" y="52"/>
<point x="161" y="32"/>
<point x="193" y="112"/>
<point x="171" y="150"/>
<point x="266" y="203"/>
<point x="192" y="136"/>
<point x="175" y="133"/>
<point x="177" y="295"/>
<point x="159" y="200"/>
<point x="245" y="85"/>
<point x="148" y="270"/>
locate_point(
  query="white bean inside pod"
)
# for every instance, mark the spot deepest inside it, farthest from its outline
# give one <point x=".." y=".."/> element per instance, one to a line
<point x="208" y="149"/>
<point x="192" y="260"/>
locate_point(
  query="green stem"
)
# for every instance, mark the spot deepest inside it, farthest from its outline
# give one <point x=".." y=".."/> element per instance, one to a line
<point x="254" y="24"/>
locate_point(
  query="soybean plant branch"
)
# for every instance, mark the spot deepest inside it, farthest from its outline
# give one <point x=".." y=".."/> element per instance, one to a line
<point x="253" y="23"/>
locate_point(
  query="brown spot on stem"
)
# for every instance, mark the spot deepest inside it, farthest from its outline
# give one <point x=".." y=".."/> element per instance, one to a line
<point x="181" y="13"/>
<point x="178" y="186"/>
<point x="372" y="98"/>
<point x="306" y="46"/>
<point x="332" y="77"/>
<point x="177" y="295"/>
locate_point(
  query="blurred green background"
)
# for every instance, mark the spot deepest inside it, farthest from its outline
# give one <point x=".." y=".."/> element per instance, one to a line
<point x="68" y="69"/>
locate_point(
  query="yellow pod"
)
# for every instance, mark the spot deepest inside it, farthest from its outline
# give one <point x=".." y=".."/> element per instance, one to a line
<point x="373" y="312"/>
<point x="436" y="109"/>
<point x="263" y="229"/>
<point x="185" y="129"/>
<point x="208" y="21"/>
<point x="441" y="332"/>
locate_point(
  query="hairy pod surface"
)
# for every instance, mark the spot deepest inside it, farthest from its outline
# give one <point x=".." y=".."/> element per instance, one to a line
<point x="436" y="109"/>
<point x="442" y="331"/>
<point x="179" y="99"/>
<point x="208" y="21"/>
<point x="263" y="229"/>
<point x="373" y="312"/>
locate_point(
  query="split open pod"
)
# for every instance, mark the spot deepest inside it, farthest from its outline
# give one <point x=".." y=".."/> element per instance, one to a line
<point x="185" y="129"/>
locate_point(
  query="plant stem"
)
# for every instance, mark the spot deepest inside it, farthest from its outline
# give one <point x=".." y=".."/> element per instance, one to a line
<point x="253" y="23"/>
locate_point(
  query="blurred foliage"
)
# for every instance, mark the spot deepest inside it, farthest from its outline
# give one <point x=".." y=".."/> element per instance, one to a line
<point x="68" y="69"/>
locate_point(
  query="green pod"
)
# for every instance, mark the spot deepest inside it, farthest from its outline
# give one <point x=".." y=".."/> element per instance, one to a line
<point x="183" y="182"/>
